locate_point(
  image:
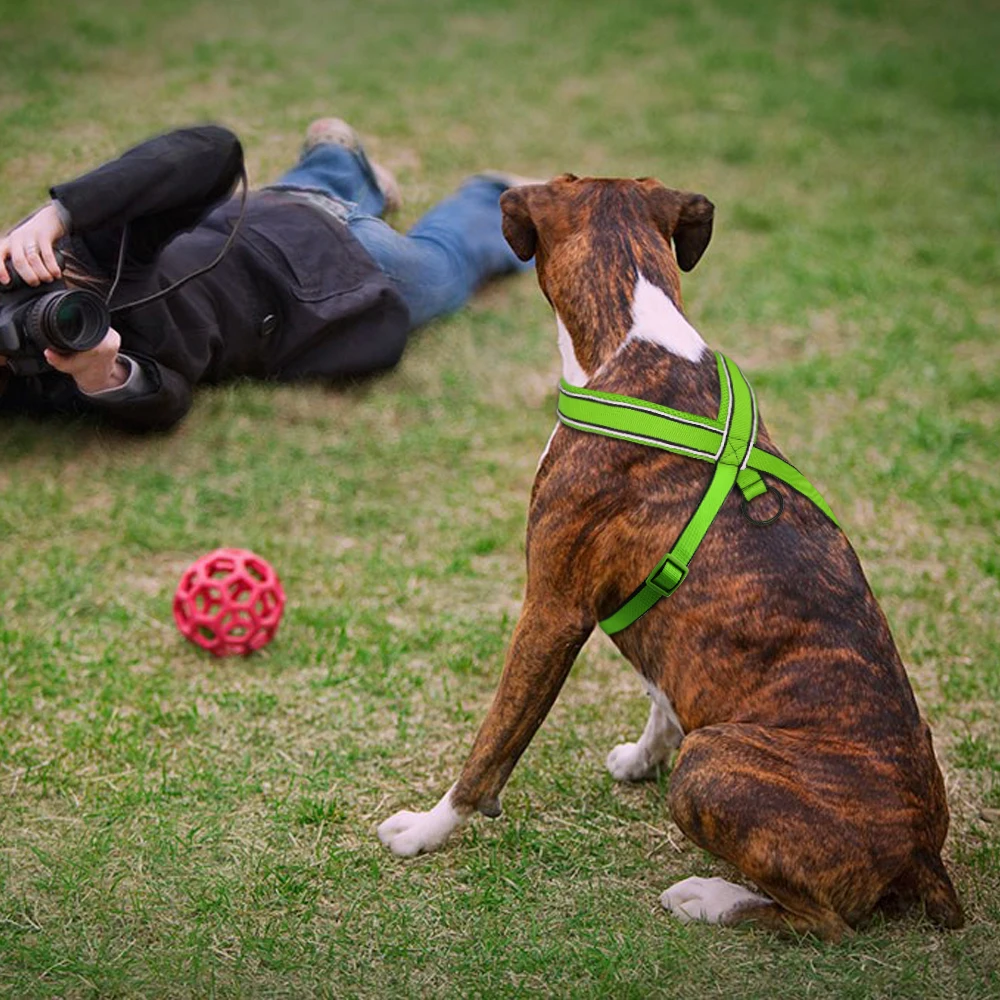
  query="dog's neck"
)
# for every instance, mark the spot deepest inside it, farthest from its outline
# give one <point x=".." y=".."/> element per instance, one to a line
<point x="589" y="338"/>
<point x="612" y="281"/>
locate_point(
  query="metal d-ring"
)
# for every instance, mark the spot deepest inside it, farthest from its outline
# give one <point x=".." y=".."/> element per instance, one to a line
<point x="745" y="508"/>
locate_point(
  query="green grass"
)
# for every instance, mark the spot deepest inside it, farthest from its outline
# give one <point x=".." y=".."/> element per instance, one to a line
<point x="174" y="826"/>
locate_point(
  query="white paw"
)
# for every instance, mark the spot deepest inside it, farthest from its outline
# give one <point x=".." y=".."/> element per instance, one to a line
<point x="710" y="899"/>
<point x="630" y="762"/>
<point x="407" y="834"/>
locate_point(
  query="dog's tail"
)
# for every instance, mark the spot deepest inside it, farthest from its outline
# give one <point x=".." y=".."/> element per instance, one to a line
<point x="933" y="887"/>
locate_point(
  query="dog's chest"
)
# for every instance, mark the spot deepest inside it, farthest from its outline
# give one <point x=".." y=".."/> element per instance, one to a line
<point x="663" y="703"/>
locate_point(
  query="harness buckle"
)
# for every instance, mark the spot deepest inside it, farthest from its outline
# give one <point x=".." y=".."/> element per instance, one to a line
<point x="671" y="572"/>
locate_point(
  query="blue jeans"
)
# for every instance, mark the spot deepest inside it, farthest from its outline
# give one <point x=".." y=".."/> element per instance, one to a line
<point x="441" y="261"/>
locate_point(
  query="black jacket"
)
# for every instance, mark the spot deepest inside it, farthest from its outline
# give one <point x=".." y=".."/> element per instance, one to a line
<point x="296" y="296"/>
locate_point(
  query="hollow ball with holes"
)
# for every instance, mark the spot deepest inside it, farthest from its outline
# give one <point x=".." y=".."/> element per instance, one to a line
<point x="229" y="602"/>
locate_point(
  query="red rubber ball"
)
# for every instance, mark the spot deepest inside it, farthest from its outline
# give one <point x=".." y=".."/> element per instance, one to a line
<point x="229" y="602"/>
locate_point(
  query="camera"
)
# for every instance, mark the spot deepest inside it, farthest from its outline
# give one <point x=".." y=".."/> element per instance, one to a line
<point x="47" y="316"/>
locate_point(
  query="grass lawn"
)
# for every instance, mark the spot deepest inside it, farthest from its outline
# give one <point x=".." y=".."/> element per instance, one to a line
<point x="175" y="826"/>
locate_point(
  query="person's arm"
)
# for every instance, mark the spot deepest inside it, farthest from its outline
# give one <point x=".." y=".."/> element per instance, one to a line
<point x="153" y="397"/>
<point x="161" y="187"/>
<point x="134" y="392"/>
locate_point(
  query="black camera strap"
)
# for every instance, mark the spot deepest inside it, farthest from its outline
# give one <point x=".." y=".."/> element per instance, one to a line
<point x="230" y="239"/>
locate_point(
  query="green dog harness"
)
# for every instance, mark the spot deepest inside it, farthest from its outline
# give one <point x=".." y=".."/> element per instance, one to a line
<point x="728" y="441"/>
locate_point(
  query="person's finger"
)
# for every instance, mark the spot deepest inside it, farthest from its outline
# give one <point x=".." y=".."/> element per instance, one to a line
<point x="61" y="362"/>
<point x="21" y="265"/>
<point x="48" y="253"/>
<point x="4" y="251"/>
<point x="33" y="257"/>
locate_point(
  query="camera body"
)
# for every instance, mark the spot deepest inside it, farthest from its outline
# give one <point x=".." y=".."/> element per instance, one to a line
<point x="47" y="316"/>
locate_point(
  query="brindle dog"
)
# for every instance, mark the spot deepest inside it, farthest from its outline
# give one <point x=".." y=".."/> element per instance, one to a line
<point x="803" y="758"/>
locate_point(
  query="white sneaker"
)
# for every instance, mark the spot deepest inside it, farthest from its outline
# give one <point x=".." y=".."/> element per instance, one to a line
<point x="330" y="131"/>
<point x="336" y="132"/>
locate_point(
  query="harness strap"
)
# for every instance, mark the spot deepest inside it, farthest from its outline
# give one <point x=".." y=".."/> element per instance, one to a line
<point x="635" y="420"/>
<point x="728" y="441"/>
<point x="764" y="461"/>
<point x="671" y="571"/>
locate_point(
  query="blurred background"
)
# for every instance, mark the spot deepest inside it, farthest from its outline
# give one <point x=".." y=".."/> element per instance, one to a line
<point x="173" y="826"/>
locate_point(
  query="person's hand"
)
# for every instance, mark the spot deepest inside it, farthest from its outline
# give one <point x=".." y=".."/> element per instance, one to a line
<point x="94" y="370"/>
<point x="31" y="248"/>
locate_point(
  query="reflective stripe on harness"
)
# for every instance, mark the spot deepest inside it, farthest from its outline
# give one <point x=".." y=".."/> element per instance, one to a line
<point x="728" y="441"/>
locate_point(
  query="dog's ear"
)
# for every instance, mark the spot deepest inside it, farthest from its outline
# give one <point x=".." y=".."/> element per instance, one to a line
<point x="518" y="226"/>
<point x="686" y="218"/>
<point x="694" y="230"/>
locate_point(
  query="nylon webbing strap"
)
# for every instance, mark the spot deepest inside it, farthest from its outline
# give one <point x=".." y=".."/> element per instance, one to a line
<point x="728" y="441"/>
<point x="648" y="423"/>
<point x="764" y="461"/>
<point x="739" y="430"/>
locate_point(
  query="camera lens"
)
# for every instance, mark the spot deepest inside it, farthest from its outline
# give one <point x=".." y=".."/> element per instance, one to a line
<point x="68" y="322"/>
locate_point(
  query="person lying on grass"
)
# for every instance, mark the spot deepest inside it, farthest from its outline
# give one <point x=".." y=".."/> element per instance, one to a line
<point x="314" y="284"/>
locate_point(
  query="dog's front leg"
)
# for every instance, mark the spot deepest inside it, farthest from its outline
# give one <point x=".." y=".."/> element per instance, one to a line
<point x="662" y="735"/>
<point x="540" y="656"/>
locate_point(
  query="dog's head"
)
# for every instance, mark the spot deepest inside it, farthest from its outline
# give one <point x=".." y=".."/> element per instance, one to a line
<point x="593" y="238"/>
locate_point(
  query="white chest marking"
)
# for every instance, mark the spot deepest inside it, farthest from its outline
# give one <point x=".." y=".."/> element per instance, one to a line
<point x="662" y="702"/>
<point x="548" y="444"/>
<point x="572" y="370"/>
<point x="657" y="320"/>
